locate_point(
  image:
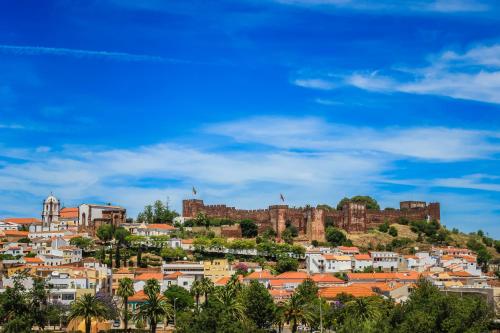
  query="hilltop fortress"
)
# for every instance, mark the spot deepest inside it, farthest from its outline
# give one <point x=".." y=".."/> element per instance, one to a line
<point x="311" y="221"/>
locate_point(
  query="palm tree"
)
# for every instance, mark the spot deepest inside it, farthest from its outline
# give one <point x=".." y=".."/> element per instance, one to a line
<point x="207" y="287"/>
<point x="196" y="291"/>
<point x="155" y="309"/>
<point x="294" y="311"/>
<point x="89" y="307"/>
<point x="279" y="317"/>
<point x="363" y="308"/>
<point x="231" y="303"/>
<point x="125" y="290"/>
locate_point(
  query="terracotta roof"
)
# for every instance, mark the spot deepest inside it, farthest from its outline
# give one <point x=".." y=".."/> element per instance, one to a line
<point x="139" y="296"/>
<point x="280" y="293"/>
<point x="281" y="282"/>
<point x="353" y="289"/>
<point x="411" y="275"/>
<point x="69" y="213"/>
<point x="410" y="257"/>
<point x="223" y="281"/>
<point x="22" y="220"/>
<point x="148" y="276"/>
<point x="265" y="274"/>
<point x="34" y="260"/>
<point x="326" y="278"/>
<point x="186" y="241"/>
<point x="460" y="274"/>
<point x="469" y="258"/>
<point x="292" y="275"/>
<point x="123" y="270"/>
<point x="16" y="233"/>
<point x="447" y="257"/>
<point x="329" y="256"/>
<point x="348" y="248"/>
<point x="362" y="256"/>
<point x="160" y="226"/>
<point x="173" y="275"/>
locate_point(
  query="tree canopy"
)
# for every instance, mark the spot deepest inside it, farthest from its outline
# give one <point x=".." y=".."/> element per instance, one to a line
<point x="362" y="199"/>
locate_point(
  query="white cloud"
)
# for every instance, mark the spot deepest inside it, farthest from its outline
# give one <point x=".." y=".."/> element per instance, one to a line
<point x="77" y="53"/>
<point x="440" y="6"/>
<point x="315" y="84"/>
<point x="310" y="160"/>
<point x="427" y="143"/>
<point x="472" y="75"/>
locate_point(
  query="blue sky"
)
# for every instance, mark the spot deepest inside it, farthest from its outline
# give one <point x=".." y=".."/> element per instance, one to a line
<point x="132" y="101"/>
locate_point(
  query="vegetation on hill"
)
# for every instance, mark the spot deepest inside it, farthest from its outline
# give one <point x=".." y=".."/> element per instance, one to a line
<point x="158" y="212"/>
<point x="362" y="199"/>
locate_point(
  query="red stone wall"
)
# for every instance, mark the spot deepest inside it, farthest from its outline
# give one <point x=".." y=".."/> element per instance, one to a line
<point x="311" y="221"/>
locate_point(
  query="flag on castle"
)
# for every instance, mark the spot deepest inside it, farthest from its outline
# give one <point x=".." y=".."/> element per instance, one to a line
<point x="194" y="191"/>
<point x="282" y="197"/>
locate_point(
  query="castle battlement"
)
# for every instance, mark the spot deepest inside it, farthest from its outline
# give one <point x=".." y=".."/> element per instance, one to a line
<point x="310" y="221"/>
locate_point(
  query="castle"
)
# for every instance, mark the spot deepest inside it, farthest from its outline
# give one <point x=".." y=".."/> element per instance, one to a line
<point x="311" y="221"/>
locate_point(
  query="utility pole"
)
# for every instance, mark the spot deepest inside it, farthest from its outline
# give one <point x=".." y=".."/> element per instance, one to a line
<point x="175" y="312"/>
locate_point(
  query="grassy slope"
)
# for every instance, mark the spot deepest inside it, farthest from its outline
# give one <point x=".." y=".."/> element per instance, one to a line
<point x="376" y="237"/>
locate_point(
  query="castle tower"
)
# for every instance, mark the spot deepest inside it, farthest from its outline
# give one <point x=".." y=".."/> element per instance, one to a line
<point x="50" y="210"/>
<point x="277" y="214"/>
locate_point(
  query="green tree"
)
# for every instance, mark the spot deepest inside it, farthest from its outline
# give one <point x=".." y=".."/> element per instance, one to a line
<point x="259" y="304"/>
<point x="83" y="243"/>
<point x="169" y="253"/>
<point x="180" y="296"/>
<point x="249" y="228"/>
<point x="335" y="236"/>
<point x="393" y="231"/>
<point x="286" y="264"/>
<point x="156" y="308"/>
<point x="294" y="311"/>
<point x="197" y="291"/>
<point x="125" y="290"/>
<point x="89" y="307"/>
<point x="207" y="286"/>
<point x="287" y="236"/>
<point x="384" y="227"/>
<point x="368" y="201"/>
<point x="307" y="291"/>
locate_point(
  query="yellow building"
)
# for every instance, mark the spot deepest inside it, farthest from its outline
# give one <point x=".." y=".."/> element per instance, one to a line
<point x="216" y="269"/>
<point x="119" y="274"/>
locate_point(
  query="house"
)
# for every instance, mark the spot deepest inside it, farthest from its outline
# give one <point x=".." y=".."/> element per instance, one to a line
<point x="155" y="229"/>
<point x="13" y="235"/>
<point x="140" y="280"/>
<point x="263" y="277"/>
<point x="187" y="244"/>
<point x="361" y="261"/>
<point x="186" y="267"/>
<point x="35" y="261"/>
<point x="337" y="263"/>
<point x="288" y="280"/>
<point x="178" y="279"/>
<point x="217" y="269"/>
<point x="348" y="250"/>
<point x="384" y="260"/>
<point x="119" y="274"/>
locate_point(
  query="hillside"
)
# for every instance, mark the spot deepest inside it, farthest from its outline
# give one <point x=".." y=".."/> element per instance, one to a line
<point x="371" y="238"/>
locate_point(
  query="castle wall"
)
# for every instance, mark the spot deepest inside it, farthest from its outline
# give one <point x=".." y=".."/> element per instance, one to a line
<point x="353" y="217"/>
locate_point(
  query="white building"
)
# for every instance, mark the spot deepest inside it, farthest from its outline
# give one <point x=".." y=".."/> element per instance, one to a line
<point x="50" y="210"/>
<point x="361" y="261"/>
<point x="387" y="261"/>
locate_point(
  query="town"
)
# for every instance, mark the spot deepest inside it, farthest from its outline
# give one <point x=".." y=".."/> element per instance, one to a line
<point x="282" y="268"/>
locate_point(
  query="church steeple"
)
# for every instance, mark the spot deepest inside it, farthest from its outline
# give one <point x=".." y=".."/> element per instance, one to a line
<point x="51" y="210"/>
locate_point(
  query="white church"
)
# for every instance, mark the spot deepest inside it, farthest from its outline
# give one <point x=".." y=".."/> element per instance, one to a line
<point x="85" y="217"/>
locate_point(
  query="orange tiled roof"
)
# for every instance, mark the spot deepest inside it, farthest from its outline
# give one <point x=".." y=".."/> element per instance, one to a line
<point x="139" y="296"/>
<point x="148" y="276"/>
<point x="34" y="260"/>
<point x="123" y="270"/>
<point x="292" y="275"/>
<point x="280" y="282"/>
<point x="22" y="220"/>
<point x="15" y="233"/>
<point x="160" y="226"/>
<point x="275" y="293"/>
<point x="223" y="281"/>
<point x="265" y="274"/>
<point x="336" y="257"/>
<point x="187" y="241"/>
<point x="362" y="256"/>
<point x="469" y="258"/>
<point x="411" y="275"/>
<point x="348" y="248"/>
<point x="326" y="278"/>
<point x="173" y="275"/>
<point x="353" y="289"/>
<point x="460" y="274"/>
<point x="69" y="213"/>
